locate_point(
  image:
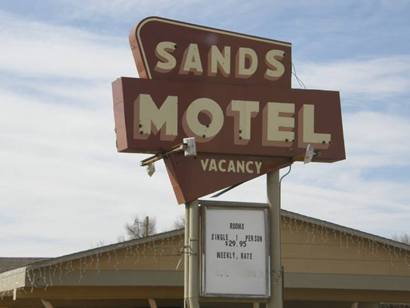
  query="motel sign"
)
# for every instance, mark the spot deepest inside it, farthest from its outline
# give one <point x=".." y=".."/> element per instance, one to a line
<point x="232" y="93"/>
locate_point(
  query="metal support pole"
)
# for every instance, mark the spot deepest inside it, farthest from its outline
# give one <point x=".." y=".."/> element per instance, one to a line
<point x="193" y="264"/>
<point x="152" y="303"/>
<point x="186" y="256"/>
<point x="273" y="191"/>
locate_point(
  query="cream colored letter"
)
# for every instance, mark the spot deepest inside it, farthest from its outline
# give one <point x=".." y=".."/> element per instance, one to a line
<point x="148" y="118"/>
<point x="191" y="61"/>
<point x="258" y="165"/>
<point x="278" y="128"/>
<point x="166" y="61"/>
<point x="221" y="165"/>
<point x="242" y="111"/>
<point x="309" y="135"/>
<point x="241" y="70"/>
<point x="204" y="163"/>
<point x="192" y="125"/>
<point x="275" y="68"/>
<point x="219" y="62"/>
<point x="248" y="167"/>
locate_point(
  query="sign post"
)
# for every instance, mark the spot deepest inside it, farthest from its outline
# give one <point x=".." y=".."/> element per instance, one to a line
<point x="193" y="262"/>
<point x="273" y="192"/>
<point x="186" y="251"/>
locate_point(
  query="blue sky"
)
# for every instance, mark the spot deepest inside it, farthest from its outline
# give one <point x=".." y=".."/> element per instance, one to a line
<point x="63" y="187"/>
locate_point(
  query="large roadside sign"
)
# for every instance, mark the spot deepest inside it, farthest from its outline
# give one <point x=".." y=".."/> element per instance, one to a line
<point x="232" y="93"/>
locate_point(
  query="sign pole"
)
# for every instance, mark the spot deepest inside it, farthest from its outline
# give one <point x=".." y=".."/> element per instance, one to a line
<point x="186" y="256"/>
<point x="193" y="262"/>
<point x="273" y="192"/>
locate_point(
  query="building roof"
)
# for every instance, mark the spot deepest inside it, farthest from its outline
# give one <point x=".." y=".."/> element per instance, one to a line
<point x="7" y="264"/>
<point x="317" y="255"/>
<point x="12" y="263"/>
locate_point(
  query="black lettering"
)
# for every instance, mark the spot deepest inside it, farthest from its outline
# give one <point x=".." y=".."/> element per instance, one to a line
<point x="237" y="225"/>
<point x="225" y="255"/>
<point x="253" y="238"/>
<point x="246" y="255"/>
<point x="219" y="237"/>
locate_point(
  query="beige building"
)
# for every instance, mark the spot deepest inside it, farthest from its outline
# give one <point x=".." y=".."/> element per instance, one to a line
<point x="325" y="265"/>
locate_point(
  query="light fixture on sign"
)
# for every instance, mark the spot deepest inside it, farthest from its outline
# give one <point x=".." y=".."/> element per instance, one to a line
<point x="310" y="154"/>
<point x="188" y="145"/>
<point x="151" y="169"/>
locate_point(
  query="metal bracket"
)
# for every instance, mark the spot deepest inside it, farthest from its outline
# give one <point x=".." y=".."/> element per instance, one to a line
<point x="188" y="145"/>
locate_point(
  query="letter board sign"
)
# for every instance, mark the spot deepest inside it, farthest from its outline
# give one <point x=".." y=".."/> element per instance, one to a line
<point x="235" y="246"/>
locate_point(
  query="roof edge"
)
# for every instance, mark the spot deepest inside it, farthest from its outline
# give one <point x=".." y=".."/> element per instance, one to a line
<point x="107" y="248"/>
<point x="344" y="229"/>
<point x="180" y="232"/>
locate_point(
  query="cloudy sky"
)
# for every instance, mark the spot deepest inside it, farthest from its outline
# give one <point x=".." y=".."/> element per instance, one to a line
<point x="63" y="186"/>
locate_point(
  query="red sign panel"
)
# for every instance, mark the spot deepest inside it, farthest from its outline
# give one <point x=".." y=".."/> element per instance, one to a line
<point x="152" y="116"/>
<point x="169" y="49"/>
<point x="194" y="177"/>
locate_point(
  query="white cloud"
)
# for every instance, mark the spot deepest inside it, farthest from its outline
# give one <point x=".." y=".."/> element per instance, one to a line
<point x="34" y="49"/>
<point x="376" y="139"/>
<point x="375" y="77"/>
<point x="370" y="207"/>
<point x="62" y="179"/>
<point x="139" y="9"/>
<point x="79" y="92"/>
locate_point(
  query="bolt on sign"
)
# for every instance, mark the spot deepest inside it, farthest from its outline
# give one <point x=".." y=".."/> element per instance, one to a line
<point x="230" y="91"/>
